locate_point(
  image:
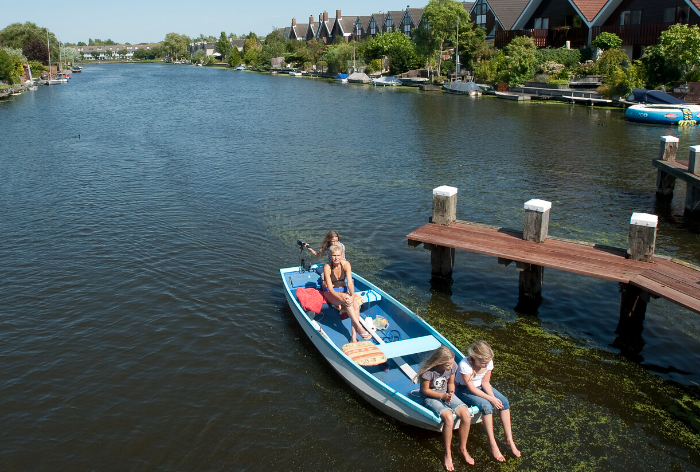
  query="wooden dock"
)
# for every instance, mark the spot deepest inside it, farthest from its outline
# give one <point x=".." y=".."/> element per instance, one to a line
<point x="662" y="277"/>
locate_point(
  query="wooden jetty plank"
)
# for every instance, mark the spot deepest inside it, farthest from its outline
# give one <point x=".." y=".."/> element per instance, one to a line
<point x="505" y="245"/>
<point x="678" y="170"/>
<point x="660" y="290"/>
<point x="661" y="277"/>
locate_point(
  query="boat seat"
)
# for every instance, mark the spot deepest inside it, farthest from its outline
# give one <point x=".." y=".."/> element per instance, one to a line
<point x="407" y="347"/>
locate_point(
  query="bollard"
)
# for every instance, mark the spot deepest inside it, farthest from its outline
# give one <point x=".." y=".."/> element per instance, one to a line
<point x="442" y="258"/>
<point x="444" y="205"/>
<point x="536" y="220"/>
<point x="692" y="193"/>
<point x="665" y="183"/>
<point x="642" y="236"/>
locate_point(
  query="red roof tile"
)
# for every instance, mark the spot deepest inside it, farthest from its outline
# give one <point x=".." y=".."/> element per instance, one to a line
<point x="589" y="8"/>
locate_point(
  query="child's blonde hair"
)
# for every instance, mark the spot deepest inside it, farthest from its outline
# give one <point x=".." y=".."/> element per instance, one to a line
<point x="441" y="355"/>
<point x="480" y="350"/>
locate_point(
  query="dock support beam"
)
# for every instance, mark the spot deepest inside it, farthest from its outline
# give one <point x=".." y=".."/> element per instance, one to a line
<point x="531" y="276"/>
<point x="442" y="258"/>
<point x="633" y="305"/>
<point x="692" y="193"/>
<point x="665" y="183"/>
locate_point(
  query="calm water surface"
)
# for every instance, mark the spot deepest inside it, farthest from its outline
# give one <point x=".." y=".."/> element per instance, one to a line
<point x="142" y="321"/>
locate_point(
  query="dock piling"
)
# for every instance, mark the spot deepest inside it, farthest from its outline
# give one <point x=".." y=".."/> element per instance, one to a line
<point x="442" y="258"/>
<point x="665" y="183"/>
<point x="634" y="300"/>
<point x="692" y="192"/>
<point x="531" y="276"/>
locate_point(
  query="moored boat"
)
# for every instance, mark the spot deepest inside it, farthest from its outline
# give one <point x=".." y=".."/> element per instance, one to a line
<point x="400" y="340"/>
<point x="358" y="78"/>
<point x="342" y="78"/>
<point x="76" y="69"/>
<point x="664" y="114"/>
<point x="462" y="88"/>
<point x="387" y="81"/>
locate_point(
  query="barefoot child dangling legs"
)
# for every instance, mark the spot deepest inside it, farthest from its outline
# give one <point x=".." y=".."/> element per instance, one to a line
<point x="474" y="388"/>
<point x="437" y="387"/>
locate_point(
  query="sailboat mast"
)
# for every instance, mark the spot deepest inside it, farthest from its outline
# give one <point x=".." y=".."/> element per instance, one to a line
<point x="457" y="48"/>
<point x="48" y="43"/>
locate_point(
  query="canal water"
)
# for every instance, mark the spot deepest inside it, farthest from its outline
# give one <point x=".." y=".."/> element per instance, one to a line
<point x="145" y="211"/>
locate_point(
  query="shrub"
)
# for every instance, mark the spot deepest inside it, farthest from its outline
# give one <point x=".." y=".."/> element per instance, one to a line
<point x="607" y="41"/>
<point x="567" y="57"/>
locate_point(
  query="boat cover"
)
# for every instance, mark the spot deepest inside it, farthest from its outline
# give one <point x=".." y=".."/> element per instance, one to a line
<point x="462" y="87"/>
<point x="653" y="96"/>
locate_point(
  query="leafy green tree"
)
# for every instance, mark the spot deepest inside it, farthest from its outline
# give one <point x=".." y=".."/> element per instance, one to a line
<point x="72" y="55"/>
<point x="273" y="46"/>
<point x="176" y="45"/>
<point x="81" y="43"/>
<point x="11" y="60"/>
<point x="337" y="56"/>
<point x="440" y="28"/>
<point x="521" y="61"/>
<point x="234" y="57"/>
<point x="223" y="46"/>
<point x="251" y="50"/>
<point x="472" y="46"/>
<point x="397" y="47"/>
<point x="606" y="41"/>
<point x="680" y="46"/>
<point x="611" y="61"/>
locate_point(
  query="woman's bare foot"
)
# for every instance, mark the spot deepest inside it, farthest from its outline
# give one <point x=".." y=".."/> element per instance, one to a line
<point x="497" y="453"/>
<point x="514" y="449"/>
<point x="448" y="462"/>
<point x="467" y="457"/>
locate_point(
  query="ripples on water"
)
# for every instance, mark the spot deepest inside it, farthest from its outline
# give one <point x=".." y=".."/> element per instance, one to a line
<point x="142" y="324"/>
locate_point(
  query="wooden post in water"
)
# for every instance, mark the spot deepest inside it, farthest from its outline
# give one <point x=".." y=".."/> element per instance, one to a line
<point x="633" y="305"/>
<point x="692" y="193"/>
<point x="444" y="213"/>
<point x="535" y="230"/>
<point x="665" y="183"/>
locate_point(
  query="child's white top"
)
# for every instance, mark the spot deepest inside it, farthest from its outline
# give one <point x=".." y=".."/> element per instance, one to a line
<point x="466" y="370"/>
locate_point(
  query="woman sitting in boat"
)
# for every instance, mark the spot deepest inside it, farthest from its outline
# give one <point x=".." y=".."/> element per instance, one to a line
<point x="332" y="237"/>
<point x="339" y="290"/>
<point x="437" y="388"/>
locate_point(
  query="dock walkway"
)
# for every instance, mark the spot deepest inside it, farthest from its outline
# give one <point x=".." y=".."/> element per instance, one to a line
<point x="662" y="277"/>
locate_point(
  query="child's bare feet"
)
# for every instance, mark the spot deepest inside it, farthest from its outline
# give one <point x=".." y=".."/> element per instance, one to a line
<point x="448" y="462"/>
<point x="497" y="453"/>
<point x="514" y="449"/>
<point x="467" y="457"/>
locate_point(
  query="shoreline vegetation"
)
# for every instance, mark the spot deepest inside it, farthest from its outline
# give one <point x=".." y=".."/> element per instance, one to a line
<point x="434" y="49"/>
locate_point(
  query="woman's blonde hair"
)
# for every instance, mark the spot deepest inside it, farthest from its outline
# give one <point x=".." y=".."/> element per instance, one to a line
<point x="441" y="355"/>
<point x="480" y="350"/>
<point x="335" y="248"/>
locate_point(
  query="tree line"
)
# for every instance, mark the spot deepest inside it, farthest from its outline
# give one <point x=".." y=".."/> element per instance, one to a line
<point x="675" y="58"/>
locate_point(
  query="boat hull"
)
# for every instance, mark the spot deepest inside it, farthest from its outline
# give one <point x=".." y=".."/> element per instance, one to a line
<point x="663" y="114"/>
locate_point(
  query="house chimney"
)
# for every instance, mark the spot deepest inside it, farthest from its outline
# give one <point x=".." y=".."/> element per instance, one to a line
<point x="294" y="21"/>
<point x="320" y="17"/>
<point x="311" y="20"/>
<point x="325" y="16"/>
<point x="337" y="14"/>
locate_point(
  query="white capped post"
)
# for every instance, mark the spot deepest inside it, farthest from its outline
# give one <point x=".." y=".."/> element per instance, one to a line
<point x="536" y="220"/>
<point x="444" y="205"/>
<point x="642" y="236"/>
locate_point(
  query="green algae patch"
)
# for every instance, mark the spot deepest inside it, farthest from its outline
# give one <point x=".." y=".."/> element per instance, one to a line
<point x="575" y="407"/>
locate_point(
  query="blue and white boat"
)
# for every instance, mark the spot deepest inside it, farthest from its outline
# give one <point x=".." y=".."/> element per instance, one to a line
<point x="342" y="78"/>
<point x="403" y="337"/>
<point x="664" y="114"/>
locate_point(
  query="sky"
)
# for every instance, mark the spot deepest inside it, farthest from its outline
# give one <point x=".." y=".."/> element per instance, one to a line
<point x="148" y="21"/>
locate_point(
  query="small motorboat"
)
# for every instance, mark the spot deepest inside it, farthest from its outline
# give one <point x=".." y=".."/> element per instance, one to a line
<point x="400" y="342"/>
<point x="462" y="88"/>
<point x="76" y="69"/>
<point x="387" y="81"/>
<point x="358" y="78"/>
<point x="240" y="68"/>
<point x="343" y="78"/>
